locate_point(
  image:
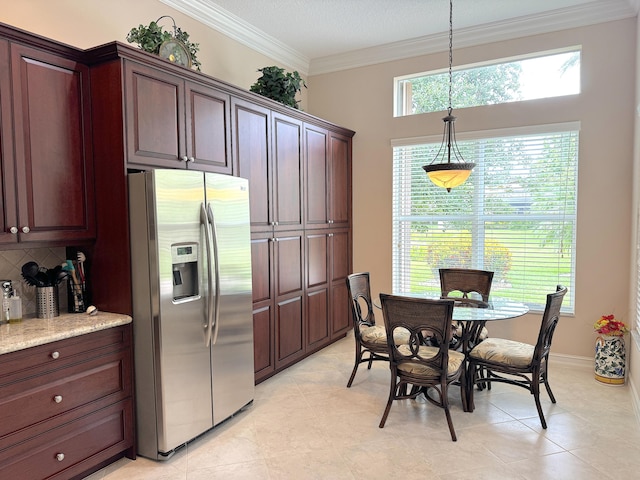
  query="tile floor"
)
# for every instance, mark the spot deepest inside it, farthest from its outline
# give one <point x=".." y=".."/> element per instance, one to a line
<point x="305" y="424"/>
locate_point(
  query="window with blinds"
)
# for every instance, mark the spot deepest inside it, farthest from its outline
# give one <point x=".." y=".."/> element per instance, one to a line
<point x="516" y="215"/>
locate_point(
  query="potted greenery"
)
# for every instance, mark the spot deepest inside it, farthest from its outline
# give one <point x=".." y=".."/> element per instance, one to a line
<point x="174" y="47"/>
<point x="278" y="85"/>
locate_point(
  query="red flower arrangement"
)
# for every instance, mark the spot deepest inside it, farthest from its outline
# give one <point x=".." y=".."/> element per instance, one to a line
<point x="608" y="325"/>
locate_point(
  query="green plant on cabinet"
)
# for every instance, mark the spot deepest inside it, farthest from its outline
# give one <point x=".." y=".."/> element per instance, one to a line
<point x="279" y="85"/>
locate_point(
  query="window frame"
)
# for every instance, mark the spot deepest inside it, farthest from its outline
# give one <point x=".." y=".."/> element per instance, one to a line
<point x="534" y="130"/>
<point x="401" y="98"/>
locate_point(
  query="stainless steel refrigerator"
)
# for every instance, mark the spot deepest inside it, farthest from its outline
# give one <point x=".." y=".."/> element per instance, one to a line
<point x="192" y="312"/>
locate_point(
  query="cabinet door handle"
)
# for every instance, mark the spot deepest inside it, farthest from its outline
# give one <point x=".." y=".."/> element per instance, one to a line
<point x="25" y="229"/>
<point x="55" y="355"/>
<point x="184" y="159"/>
<point x="59" y="456"/>
<point x="57" y="398"/>
<point x="13" y="230"/>
<point x="191" y="159"/>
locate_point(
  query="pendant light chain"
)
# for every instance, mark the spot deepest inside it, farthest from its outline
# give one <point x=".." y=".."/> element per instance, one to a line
<point x="450" y="53"/>
<point x="442" y="171"/>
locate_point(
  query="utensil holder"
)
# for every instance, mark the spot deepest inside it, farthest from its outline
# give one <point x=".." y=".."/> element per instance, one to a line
<point x="75" y="297"/>
<point x="47" y="305"/>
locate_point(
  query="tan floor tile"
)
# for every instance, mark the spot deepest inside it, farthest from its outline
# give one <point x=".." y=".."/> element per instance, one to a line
<point x="305" y="424"/>
<point x="559" y="466"/>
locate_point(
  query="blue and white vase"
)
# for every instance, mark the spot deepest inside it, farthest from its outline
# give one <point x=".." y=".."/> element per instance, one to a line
<point x="610" y="359"/>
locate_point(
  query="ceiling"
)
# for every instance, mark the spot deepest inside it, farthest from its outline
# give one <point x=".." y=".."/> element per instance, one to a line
<point x="317" y="36"/>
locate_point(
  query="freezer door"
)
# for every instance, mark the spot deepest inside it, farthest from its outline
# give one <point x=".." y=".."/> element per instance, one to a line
<point x="232" y="337"/>
<point x="172" y="359"/>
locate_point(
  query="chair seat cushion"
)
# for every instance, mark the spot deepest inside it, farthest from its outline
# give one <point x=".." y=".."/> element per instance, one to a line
<point x="415" y="368"/>
<point x="457" y="331"/>
<point x="503" y="351"/>
<point x="378" y="335"/>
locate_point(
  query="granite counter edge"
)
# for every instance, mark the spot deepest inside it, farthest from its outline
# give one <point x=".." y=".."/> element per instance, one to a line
<point x="32" y="332"/>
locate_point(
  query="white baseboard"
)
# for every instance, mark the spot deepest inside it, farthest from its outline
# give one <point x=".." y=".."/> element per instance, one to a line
<point x="571" y="360"/>
<point x="587" y="363"/>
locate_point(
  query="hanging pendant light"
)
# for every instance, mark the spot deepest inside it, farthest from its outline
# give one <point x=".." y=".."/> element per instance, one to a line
<point x="448" y="169"/>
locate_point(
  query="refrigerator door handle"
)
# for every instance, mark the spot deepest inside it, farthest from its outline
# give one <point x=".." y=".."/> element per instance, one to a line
<point x="207" y="233"/>
<point x="216" y="272"/>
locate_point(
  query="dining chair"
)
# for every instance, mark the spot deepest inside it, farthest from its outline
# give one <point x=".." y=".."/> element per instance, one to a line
<point x="428" y="370"/>
<point x="526" y="364"/>
<point x="471" y="288"/>
<point x="370" y="338"/>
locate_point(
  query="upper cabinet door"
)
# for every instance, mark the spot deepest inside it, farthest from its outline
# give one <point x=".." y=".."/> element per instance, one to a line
<point x="8" y="207"/>
<point x="339" y="180"/>
<point x="286" y="168"/>
<point x="155" y="128"/>
<point x="53" y="156"/>
<point x="208" y="129"/>
<point x="251" y="133"/>
<point x="316" y="141"/>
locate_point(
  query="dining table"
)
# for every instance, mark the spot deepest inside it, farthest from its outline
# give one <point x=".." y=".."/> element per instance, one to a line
<point x="473" y="316"/>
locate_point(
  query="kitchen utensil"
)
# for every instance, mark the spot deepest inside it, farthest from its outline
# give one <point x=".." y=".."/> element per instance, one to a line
<point x="62" y="274"/>
<point x="56" y="275"/>
<point x="76" y="294"/>
<point x="29" y="272"/>
<point x="42" y="280"/>
<point x="72" y="271"/>
<point x="81" y="259"/>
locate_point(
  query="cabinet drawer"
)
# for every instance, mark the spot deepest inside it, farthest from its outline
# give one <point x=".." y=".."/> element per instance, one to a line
<point x="45" y="358"/>
<point x="37" y="399"/>
<point x="71" y="448"/>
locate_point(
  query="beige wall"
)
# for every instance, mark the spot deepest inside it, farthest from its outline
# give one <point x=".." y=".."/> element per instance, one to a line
<point x="88" y="23"/>
<point x="361" y="99"/>
<point x="634" y="347"/>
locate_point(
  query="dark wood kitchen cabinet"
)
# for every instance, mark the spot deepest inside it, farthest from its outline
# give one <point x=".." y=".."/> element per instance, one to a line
<point x="175" y="123"/>
<point x="138" y="103"/>
<point x="268" y="150"/>
<point x="47" y="161"/>
<point x="278" y="301"/>
<point x="67" y="405"/>
<point x="328" y="178"/>
<point x="328" y="265"/>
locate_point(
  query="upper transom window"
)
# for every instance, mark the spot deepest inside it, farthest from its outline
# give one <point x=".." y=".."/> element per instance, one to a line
<point x="548" y="74"/>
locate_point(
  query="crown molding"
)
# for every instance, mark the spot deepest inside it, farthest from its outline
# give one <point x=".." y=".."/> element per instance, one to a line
<point x="237" y="29"/>
<point x="598" y="11"/>
<point x="561" y="19"/>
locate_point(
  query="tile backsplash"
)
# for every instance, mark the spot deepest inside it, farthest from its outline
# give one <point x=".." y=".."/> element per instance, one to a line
<point x="11" y="262"/>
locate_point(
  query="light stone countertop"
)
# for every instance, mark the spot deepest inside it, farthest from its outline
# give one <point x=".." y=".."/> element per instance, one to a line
<point x="33" y="331"/>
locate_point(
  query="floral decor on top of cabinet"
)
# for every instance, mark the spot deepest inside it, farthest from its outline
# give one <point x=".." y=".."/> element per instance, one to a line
<point x="174" y="47"/>
<point x="277" y="85"/>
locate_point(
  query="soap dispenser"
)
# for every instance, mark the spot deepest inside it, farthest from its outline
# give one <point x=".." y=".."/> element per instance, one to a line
<point x="11" y="303"/>
<point x="6" y="294"/>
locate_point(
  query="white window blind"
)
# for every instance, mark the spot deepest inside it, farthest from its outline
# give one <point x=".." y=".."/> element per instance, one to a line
<point x="516" y="215"/>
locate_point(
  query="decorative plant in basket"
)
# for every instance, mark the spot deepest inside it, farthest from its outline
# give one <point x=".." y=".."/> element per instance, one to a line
<point x="174" y="47"/>
<point x="610" y="354"/>
<point x="278" y="85"/>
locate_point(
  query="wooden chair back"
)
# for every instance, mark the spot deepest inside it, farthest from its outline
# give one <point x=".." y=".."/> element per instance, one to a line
<point x="466" y="281"/>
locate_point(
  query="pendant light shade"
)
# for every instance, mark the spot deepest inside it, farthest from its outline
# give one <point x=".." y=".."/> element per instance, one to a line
<point x="449" y="175"/>
<point x="448" y="169"/>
